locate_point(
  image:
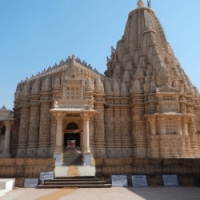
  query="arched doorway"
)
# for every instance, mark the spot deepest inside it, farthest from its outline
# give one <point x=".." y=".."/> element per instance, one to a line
<point x="72" y="136"/>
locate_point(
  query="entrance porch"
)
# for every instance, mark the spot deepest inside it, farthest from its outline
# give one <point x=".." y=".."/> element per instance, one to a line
<point x="72" y="135"/>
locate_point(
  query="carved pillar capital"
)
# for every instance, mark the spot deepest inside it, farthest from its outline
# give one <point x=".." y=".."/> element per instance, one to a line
<point x="85" y="116"/>
<point x="8" y="123"/>
<point x="151" y="118"/>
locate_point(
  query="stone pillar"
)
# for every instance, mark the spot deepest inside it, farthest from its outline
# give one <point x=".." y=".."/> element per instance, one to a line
<point x="117" y="131"/>
<point x="59" y="134"/>
<point x="185" y="126"/>
<point x="33" y="130"/>
<point x="6" y="148"/>
<point x="15" y="130"/>
<point x="125" y="133"/>
<point x="162" y="142"/>
<point x="52" y="136"/>
<point x="99" y="128"/>
<point x="44" y="132"/>
<point x="193" y="138"/>
<point x="23" y="130"/>
<point x="86" y="135"/>
<point x="92" y="144"/>
<point x="139" y="137"/>
<point x="162" y="125"/>
<point x="109" y="133"/>
<point x="179" y="126"/>
<point x="153" y="138"/>
<point x="186" y="138"/>
<point x="152" y="121"/>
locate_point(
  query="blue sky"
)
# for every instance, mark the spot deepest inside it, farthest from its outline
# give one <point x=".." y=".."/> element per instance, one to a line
<point x="36" y="34"/>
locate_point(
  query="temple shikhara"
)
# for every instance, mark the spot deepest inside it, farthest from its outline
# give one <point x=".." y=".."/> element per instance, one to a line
<point x="144" y="106"/>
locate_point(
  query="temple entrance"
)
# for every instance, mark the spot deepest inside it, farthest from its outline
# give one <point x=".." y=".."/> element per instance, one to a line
<point x="72" y="136"/>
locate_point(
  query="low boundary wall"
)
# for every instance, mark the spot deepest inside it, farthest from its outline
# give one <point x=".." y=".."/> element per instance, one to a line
<point x="20" y="168"/>
<point x="187" y="170"/>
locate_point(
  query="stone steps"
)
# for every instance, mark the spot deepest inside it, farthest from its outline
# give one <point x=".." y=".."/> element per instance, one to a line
<point x="78" y="182"/>
<point x="72" y="157"/>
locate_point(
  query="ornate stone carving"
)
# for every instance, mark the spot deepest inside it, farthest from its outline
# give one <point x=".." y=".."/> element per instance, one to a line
<point x="46" y="84"/>
<point x="137" y="88"/>
<point x="36" y="87"/>
<point x="26" y="90"/>
<point x="57" y="83"/>
<point x="124" y="90"/>
<point x="98" y="85"/>
<point x="108" y="89"/>
<point x="88" y="84"/>
<point x="116" y="89"/>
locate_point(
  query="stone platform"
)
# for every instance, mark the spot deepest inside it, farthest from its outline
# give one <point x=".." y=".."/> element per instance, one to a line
<point x="187" y="170"/>
<point x="6" y="185"/>
<point x="64" y="171"/>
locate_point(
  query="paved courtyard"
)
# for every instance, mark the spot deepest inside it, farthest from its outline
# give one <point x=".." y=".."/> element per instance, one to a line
<point x="115" y="193"/>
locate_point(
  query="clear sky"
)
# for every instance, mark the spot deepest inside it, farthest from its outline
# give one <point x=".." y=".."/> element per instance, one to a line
<point x="36" y="34"/>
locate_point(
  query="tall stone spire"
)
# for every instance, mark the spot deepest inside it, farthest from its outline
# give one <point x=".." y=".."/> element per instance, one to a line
<point x="158" y="88"/>
<point x="140" y="3"/>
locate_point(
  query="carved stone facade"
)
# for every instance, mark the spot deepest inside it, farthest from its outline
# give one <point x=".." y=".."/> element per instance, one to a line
<point x="144" y="107"/>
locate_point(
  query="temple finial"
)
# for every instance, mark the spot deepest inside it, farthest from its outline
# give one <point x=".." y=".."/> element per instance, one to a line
<point x="140" y="3"/>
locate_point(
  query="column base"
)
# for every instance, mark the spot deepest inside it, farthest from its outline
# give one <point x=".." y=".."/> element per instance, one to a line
<point x="101" y="152"/>
<point x="58" y="159"/>
<point x="87" y="159"/>
<point x="51" y="151"/>
<point x="42" y="152"/>
<point x="111" y="152"/>
<point x="21" y="153"/>
<point x="32" y="152"/>
<point x="58" y="149"/>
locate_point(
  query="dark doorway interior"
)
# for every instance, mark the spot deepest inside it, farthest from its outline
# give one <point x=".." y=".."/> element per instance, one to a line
<point x="70" y="136"/>
<point x="73" y="136"/>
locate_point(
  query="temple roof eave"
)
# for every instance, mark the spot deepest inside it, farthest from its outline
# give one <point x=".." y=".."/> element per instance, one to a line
<point x="171" y="114"/>
<point x="71" y="110"/>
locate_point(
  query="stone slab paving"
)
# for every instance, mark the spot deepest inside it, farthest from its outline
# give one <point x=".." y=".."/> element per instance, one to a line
<point x="115" y="193"/>
<point x="82" y="171"/>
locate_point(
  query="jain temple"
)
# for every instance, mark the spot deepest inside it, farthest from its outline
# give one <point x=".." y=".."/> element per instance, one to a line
<point x="143" y="107"/>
